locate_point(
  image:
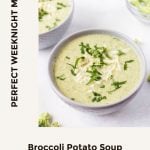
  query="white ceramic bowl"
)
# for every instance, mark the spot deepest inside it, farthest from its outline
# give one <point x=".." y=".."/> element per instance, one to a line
<point x="51" y="37"/>
<point x="101" y="110"/>
<point x="139" y="15"/>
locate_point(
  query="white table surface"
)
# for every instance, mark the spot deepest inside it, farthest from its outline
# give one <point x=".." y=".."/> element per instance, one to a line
<point x="103" y="14"/>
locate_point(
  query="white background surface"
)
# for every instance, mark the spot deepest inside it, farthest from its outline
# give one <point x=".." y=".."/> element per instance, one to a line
<point x="103" y="14"/>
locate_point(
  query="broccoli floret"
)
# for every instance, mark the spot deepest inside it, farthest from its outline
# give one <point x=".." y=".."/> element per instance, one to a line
<point x="55" y="124"/>
<point x="45" y="120"/>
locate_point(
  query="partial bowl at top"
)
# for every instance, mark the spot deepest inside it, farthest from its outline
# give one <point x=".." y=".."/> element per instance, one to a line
<point x="54" y="19"/>
<point x="97" y="71"/>
<point x="140" y="9"/>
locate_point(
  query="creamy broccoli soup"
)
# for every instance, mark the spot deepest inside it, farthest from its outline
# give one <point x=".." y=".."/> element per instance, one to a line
<point x="97" y="69"/>
<point x="52" y="13"/>
<point x="142" y="5"/>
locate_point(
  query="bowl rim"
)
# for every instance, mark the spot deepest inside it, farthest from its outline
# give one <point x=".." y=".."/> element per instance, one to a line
<point x="98" y="31"/>
<point x="64" y="21"/>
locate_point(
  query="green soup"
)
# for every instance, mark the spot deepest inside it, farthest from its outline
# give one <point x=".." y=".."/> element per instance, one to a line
<point x="52" y="13"/>
<point x="97" y="69"/>
<point x="142" y="5"/>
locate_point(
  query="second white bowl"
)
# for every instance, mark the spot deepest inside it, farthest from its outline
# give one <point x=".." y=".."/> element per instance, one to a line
<point x="51" y="37"/>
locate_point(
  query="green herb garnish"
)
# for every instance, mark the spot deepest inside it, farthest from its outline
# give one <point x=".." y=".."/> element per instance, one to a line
<point x="148" y="79"/>
<point x="73" y="72"/>
<point x="74" y="67"/>
<point x="60" y="5"/>
<point x="111" y="77"/>
<point x="141" y="1"/>
<point x="57" y="20"/>
<point x="117" y="85"/>
<point x="61" y="77"/>
<point x="115" y="38"/>
<point x="103" y="86"/>
<point x="126" y="64"/>
<point x="105" y="52"/>
<point x="95" y="75"/>
<point x="67" y="57"/>
<point x="96" y="52"/>
<point x="48" y="27"/>
<point x="82" y="48"/>
<point x="54" y="24"/>
<point x="98" y="97"/>
<point x="120" y="53"/>
<point x="100" y="65"/>
<point x="42" y="13"/>
<point x="77" y="61"/>
<point x="85" y="48"/>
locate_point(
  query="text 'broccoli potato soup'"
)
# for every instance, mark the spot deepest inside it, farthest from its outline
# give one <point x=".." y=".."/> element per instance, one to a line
<point x="52" y="13"/>
<point x="97" y="69"/>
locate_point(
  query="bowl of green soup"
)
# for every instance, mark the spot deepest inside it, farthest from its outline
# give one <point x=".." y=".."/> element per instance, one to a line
<point x="98" y="71"/>
<point x="140" y="9"/>
<point x="54" y="19"/>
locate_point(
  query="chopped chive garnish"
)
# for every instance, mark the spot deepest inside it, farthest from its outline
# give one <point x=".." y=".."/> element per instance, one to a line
<point x="120" y="53"/>
<point x="105" y="52"/>
<point x="141" y="1"/>
<point x="95" y="51"/>
<point x="73" y="72"/>
<point x="111" y="77"/>
<point x="126" y="64"/>
<point x="82" y="48"/>
<point x="85" y="48"/>
<point x="117" y="85"/>
<point x="55" y="24"/>
<point x="115" y="38"/>
<point x="74" y="67"/>
<point x="67" y="57"/>
<point x="95" y="75"/>
<point x="57" y="20"/>
<point x="148" y="79"/>
<point x="61" y="77"/>
<point x="103" y="86"/>
<point x="77" y="61"/>
<point x="60" y="5"/>
<point x="42" y="13"/>
<point x="48" y="27"/>
<point x="98" y="97"/>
